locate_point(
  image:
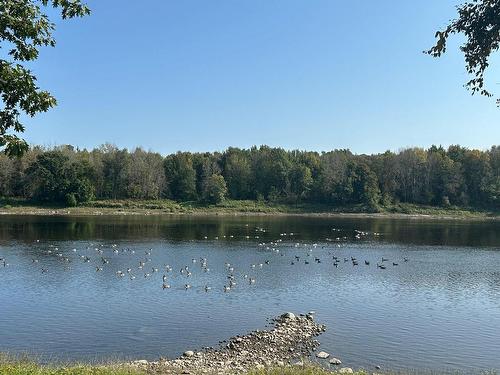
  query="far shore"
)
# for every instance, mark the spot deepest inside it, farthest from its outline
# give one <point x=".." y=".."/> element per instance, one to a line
<point x="243" y="209"/>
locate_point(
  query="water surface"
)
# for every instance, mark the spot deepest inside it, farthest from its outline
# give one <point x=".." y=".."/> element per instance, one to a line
<point x="440" y="309"/>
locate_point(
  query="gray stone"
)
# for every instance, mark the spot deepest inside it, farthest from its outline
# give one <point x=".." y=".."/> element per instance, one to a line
<point x="288" y="315"/>
<point x="335" y="361"/>
<point x="346" y="370"/>
<point x="188" y="353"/>
<point x="322" y="355"/>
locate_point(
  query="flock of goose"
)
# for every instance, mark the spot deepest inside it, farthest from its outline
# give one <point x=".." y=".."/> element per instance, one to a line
<point x="145" y="267"/>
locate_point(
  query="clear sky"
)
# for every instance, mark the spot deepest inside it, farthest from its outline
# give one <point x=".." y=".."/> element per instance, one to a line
<point x="202" y="75"/>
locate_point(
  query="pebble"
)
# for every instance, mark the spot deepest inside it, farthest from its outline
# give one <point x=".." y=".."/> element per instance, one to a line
<point x="290" y="338"/>
<point x="322" y="355"/>
<point x="346" y="370"/>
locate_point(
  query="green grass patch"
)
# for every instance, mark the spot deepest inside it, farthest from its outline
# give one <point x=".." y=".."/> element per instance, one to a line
<point x="26" y="368"/>
<point x="295" y="370"/>
<point x="235" y="207"/>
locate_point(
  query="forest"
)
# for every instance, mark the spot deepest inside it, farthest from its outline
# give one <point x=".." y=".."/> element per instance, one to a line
<point x="65" y="175"/>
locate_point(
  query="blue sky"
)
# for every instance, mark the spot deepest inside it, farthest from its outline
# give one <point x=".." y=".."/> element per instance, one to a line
<point x="202" y="75"/>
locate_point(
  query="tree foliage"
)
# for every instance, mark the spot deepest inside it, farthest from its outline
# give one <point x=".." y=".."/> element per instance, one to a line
<point x="479" y="22"/>
<point x="24" y="28"/>
<point x="215" y="189"/>
<point x="436" y="176"/>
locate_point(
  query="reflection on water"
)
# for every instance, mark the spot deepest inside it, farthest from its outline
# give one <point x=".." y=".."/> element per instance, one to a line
<point x="61" y="296"/>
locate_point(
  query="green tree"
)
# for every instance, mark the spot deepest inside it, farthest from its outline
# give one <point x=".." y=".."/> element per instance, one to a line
<point x="24" y="28"/>
<point x="181" y="176"/>
<point x="479" y="22"/>
<point x="300" y="181"/>
<point x="57" y="180"/>
<point x="215" y="189"/>
<point x="364" y="185"/>
<point x="115" y="168"/>
<point x="237" y="172"/>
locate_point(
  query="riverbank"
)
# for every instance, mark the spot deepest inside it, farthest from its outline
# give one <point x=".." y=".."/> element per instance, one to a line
<point x="281" y="349"/>
<point x="287" y="342"/>
<point x="25" y="368"/>
<point x="240" y="208"/>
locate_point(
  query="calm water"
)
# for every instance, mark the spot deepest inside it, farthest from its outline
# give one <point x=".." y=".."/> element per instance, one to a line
<point x="438" y="310"/>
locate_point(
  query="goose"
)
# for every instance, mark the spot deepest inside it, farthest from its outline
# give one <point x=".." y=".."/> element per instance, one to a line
<point x="394" y="263"/>
<point x="227" y="288"/>
<point x="207" y="288"/>
<point x="187" y="286"/>
<point x="165" y="286"/>
<point x="367" y="262"/>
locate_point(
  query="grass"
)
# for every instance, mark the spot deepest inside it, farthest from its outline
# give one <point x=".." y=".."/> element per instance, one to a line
<point x="28" y="368"/>
<point x="295" y="370"/>
<point x="24" y="366"/>
<point x="9" y="366"/>
<point x="235" y="207"/>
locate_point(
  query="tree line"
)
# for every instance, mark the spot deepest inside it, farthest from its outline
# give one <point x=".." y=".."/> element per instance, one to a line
<point x="455" y="176"/>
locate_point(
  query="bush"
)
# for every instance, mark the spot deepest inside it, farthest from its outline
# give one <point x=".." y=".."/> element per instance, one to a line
<point x="71" y="200"/>
<point x="215" y="189"/>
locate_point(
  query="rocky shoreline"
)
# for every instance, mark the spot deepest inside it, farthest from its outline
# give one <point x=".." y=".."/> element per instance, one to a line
<point x="290" y="339"/>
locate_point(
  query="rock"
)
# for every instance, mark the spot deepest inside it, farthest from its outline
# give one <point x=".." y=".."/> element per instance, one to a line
<point x="141" y="362"/>
<point x="289" y="339"/>
<point x="335" y="361"/>
<point x="346" y="370"/>
<point x="322" y="355"/>
<point x="288" y="315"/>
